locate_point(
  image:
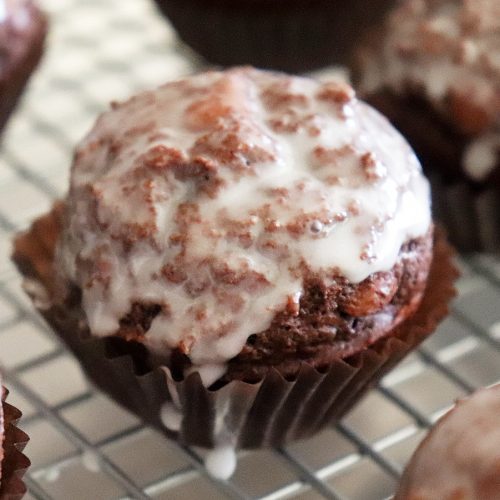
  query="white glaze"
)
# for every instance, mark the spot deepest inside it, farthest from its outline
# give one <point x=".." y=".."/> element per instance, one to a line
<point x="221" y="462"/>
<point x="481" y="156"/>
<point x="3" y="11"/>
<point x="91" y="461"/>
<point x="17" y="12"/>
<point x="495" y="329"/>
<point x="52" y="474"/>
<point x="21" y="19"/>
<point x="37" y="292"/>
<point x="171" y="411"/>
<point x="355" y="226"/>
<point x="171" y="417"/>
<point x="209" y="372"/>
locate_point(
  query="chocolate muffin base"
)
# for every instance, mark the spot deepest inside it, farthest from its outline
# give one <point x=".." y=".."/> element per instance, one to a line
<point x="295" y="36"/>
<point x="22" y="56"/>
<point x="268" y="412"/>
<point x="329" y="322"/>
<point x="14" y="463"/>
<point x="468" y="209"/>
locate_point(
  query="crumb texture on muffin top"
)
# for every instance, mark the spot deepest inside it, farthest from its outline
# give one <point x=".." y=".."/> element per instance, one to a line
<point x="204" y="205"/>
<point x="449" y="51"/>
<point x="460" y="458"/>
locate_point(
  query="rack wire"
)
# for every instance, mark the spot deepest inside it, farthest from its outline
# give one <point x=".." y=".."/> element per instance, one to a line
<point x="83" y="446"/>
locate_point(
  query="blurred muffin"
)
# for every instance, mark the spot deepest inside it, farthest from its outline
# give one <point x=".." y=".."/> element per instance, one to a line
<point x="22" y="34"/>
<point x="249" y="243"/>
<point x="13" y="463"/>
<point x="292" y="35"/>
<point x="460" y="457"/>
<point x="435" y="72"/>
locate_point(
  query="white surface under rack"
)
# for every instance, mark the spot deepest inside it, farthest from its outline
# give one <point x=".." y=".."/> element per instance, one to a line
<point x="83" y="446"/>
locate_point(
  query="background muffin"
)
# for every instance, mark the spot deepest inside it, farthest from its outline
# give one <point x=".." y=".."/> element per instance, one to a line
<point x="292" y="35"/>
<point x="435" y="73"/>
<point x="264" y="236"/>
<point x="22" y="33"/>
<point x="460" y="458"/>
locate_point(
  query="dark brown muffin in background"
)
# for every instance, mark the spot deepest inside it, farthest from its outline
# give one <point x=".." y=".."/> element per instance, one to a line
<point x="434" y="70"/>
<point x="290" y="35"/>
<point x="243" y="242"/>
<point x="460" y="457"/>
<point x="22" y="33"/>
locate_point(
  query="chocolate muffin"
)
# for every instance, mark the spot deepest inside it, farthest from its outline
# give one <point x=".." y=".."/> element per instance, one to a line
<point x="291" y="35"/>
<point x="13" y="463"/>
<point x="435" y="72"/>
<point x="247" y="242"/>
<point x="460" y="457"/>
<point x="22" y="34"/>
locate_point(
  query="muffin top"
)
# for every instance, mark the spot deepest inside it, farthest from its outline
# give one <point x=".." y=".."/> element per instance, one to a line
<point x="209" y="200"/>
<point x="460" y="458"/>
<point x="450" y="51"/>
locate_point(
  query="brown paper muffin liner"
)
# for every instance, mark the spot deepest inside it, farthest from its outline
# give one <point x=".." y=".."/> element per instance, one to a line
<point x="271" y="412"/>
<point x="469" y="214"/>
<point x="296" y="35"/>
<point x="14" y="463"/>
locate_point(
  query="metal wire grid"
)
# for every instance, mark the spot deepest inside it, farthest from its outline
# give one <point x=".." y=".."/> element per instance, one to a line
<point x="83" y="445"/>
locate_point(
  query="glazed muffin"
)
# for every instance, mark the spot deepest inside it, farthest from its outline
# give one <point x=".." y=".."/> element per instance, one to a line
<point x="22" y="35"/>
<point x="245" y="241"/>
<point x="435" y="73"/>
<point x="291" y="35"/>
<point x="13" y="463"/>
<point x="460" y="458"/>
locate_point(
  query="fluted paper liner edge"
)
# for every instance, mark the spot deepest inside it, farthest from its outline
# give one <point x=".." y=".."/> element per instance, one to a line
<point x="14" y="463"/>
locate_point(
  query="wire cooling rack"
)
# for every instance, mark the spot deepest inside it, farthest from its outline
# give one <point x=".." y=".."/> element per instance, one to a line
<point x="83" y="446"/>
